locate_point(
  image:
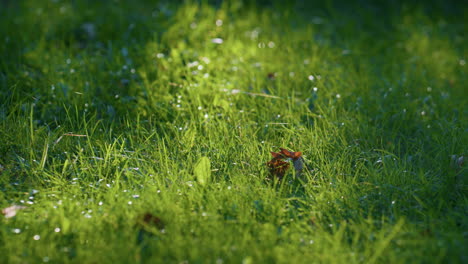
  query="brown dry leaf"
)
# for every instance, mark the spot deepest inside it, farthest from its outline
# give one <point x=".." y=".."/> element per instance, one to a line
<point x="278" y="167"/>
<point x="279" y="164"/>
<point x="291" y="154"/>
<point x="312" y="221"/>
<point x="149" y="219"/>
<point x="147" y="223"/>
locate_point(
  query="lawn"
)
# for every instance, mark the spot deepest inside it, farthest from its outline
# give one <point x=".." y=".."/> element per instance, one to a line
<point x="140" y="131"/>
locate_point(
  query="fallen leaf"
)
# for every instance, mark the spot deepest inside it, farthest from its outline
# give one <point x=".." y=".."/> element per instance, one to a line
<point x="277" y="155"/>
<point x="145" y="224"/>
<point x="279" y="164"/>
<point x="202" y="170"/>
<point x="152" y="220"/>
<point x="312" y="221"/>
<point x="11" y="211"/>
<point x="426" y="232"/>
<point x="278" y="167"/>
<point x="291" y="154"/>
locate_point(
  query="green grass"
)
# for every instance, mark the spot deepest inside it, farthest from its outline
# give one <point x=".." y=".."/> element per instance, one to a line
<point x="107" y="107"/>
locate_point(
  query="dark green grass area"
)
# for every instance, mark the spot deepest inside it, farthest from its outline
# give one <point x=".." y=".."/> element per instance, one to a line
<point x="138" y="131"/>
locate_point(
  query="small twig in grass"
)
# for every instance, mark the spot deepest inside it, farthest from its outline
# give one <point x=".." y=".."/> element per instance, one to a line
<point x="236" y="91"/>
<point x="175" y="84"/>
<point x="74" y="135"/>
<point x="263" y="95"/>
<point x="278" y="123"/>
<point x="69" y="135"/>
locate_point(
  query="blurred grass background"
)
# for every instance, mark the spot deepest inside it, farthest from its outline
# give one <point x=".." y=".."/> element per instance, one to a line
<point x="106" y="107"/>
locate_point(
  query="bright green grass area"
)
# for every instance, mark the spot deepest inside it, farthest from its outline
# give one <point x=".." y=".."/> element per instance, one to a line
<point x="373" y="94"/>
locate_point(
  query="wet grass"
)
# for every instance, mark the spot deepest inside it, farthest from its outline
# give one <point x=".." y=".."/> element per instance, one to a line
<point x="109" y="111"/>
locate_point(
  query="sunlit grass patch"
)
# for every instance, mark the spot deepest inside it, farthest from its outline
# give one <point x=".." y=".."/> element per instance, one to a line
<point x="141" y="132"/>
